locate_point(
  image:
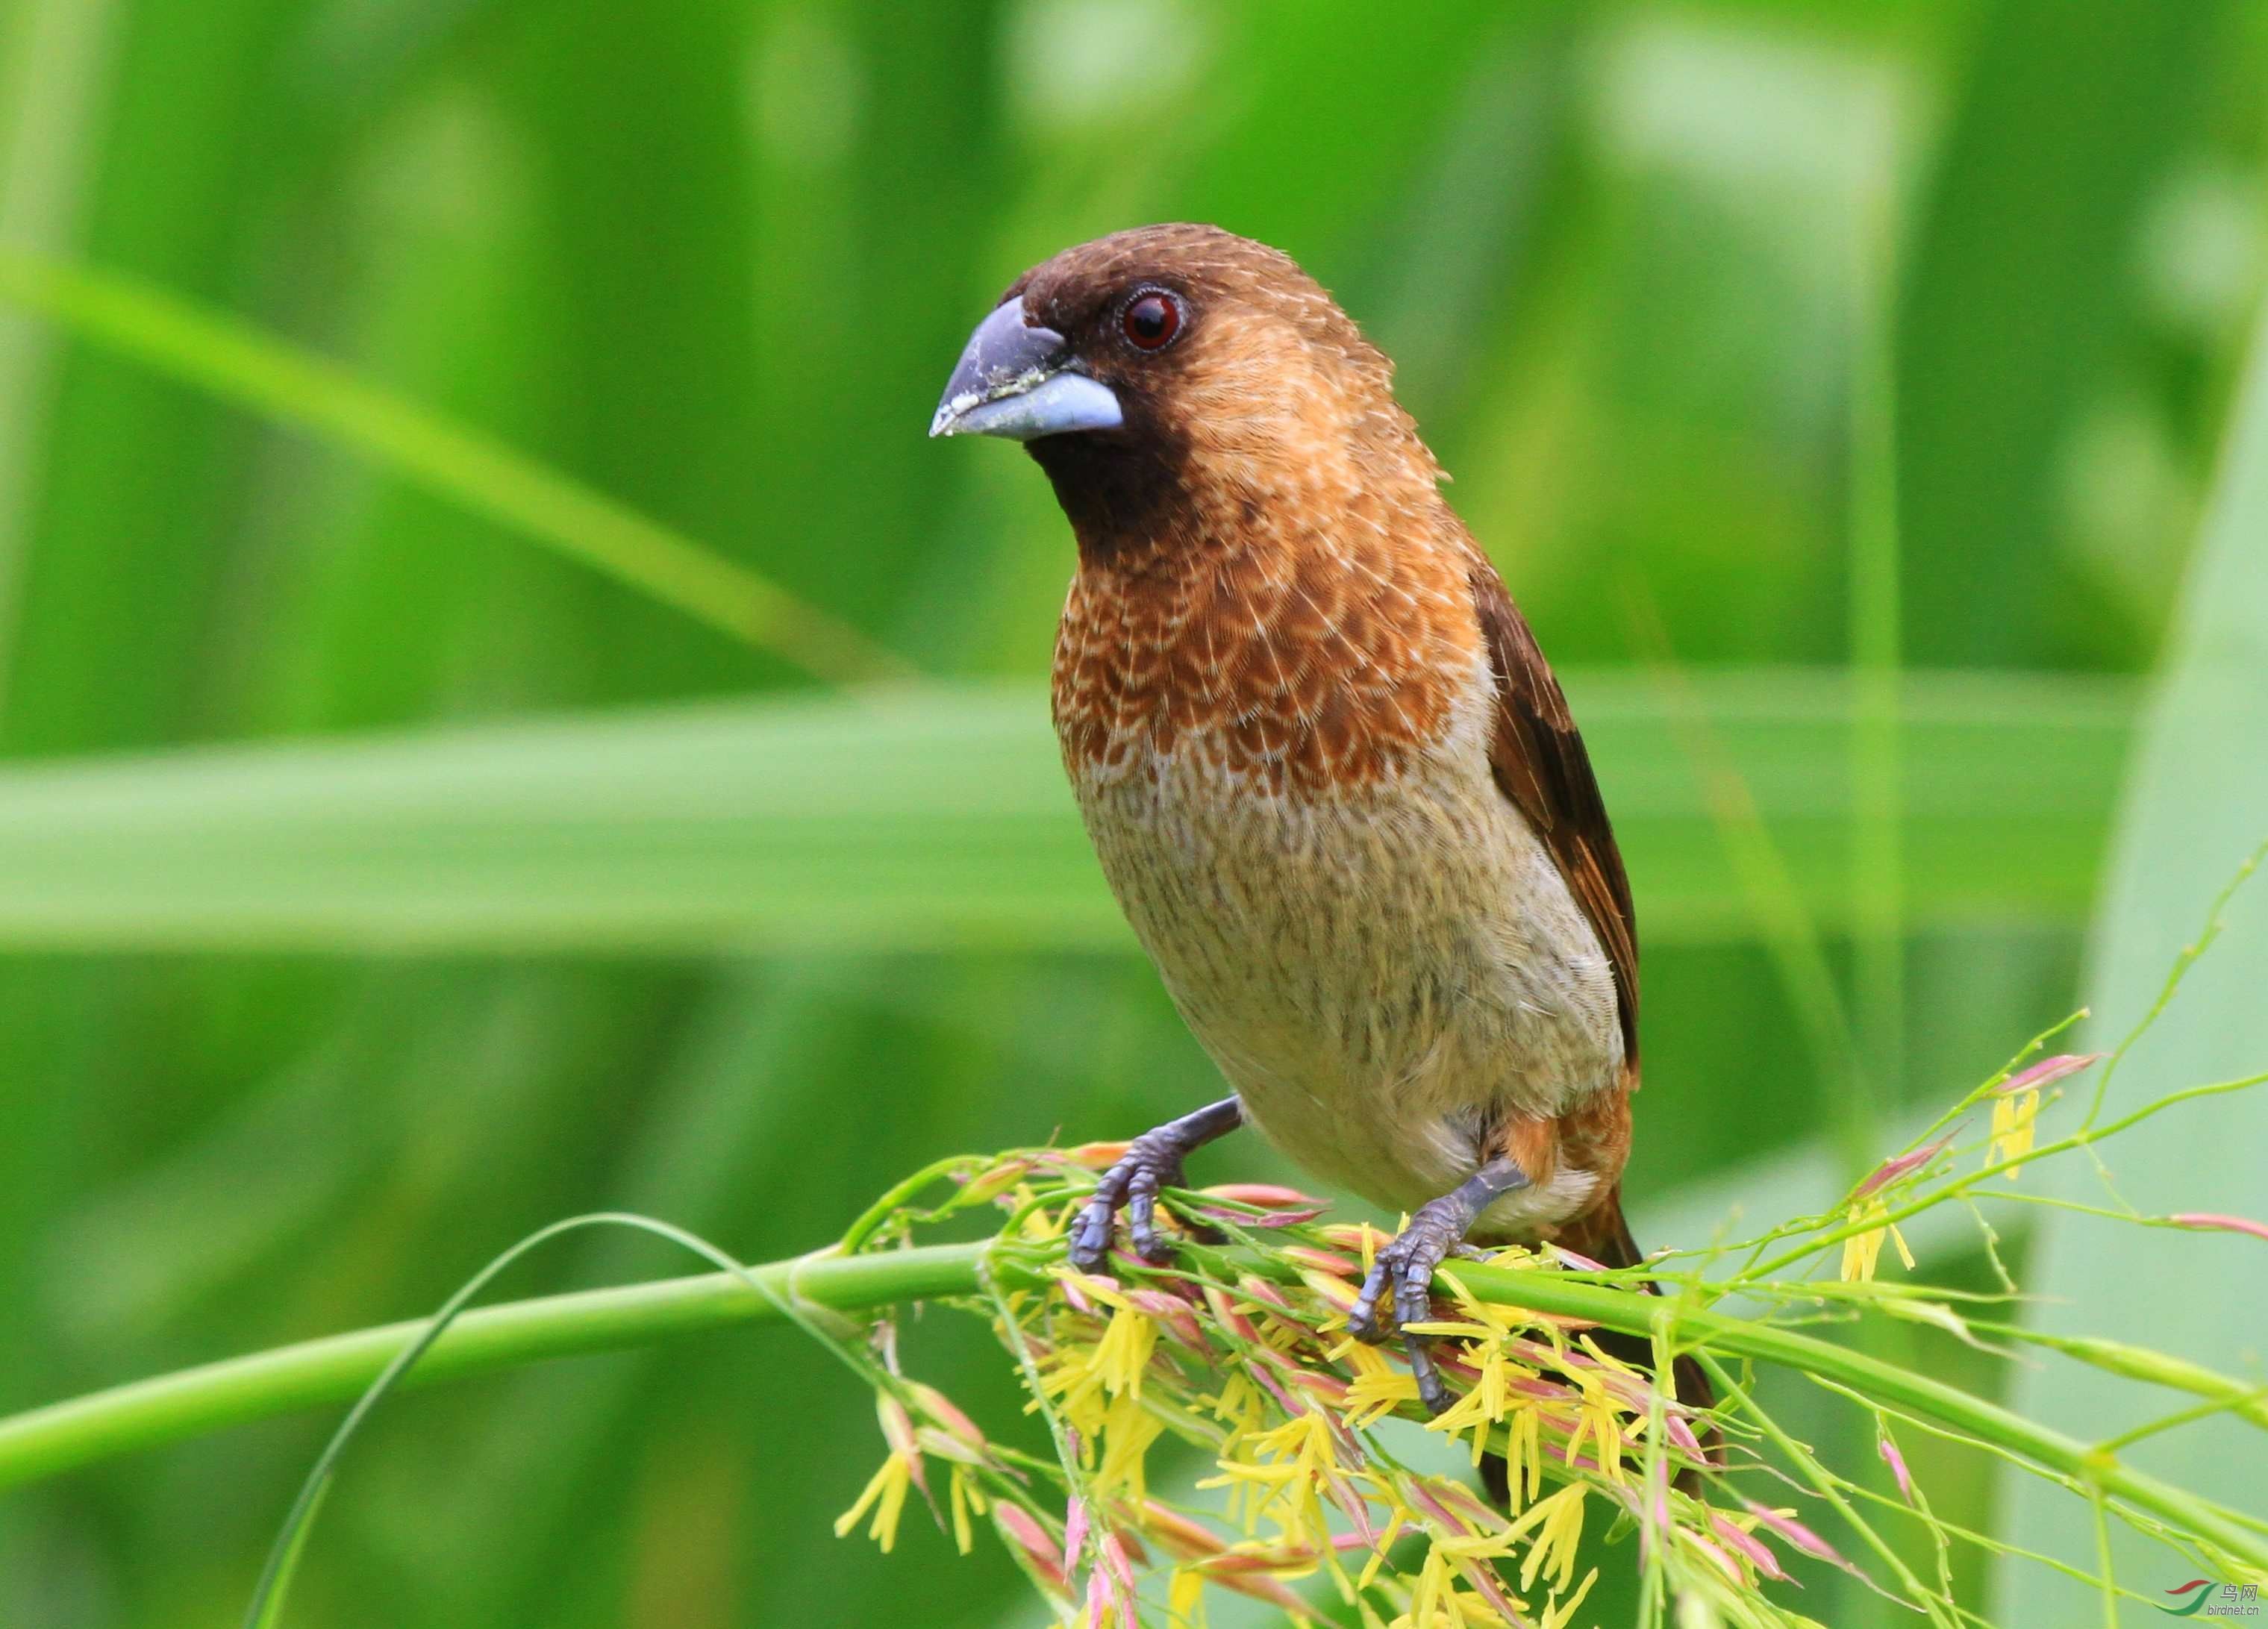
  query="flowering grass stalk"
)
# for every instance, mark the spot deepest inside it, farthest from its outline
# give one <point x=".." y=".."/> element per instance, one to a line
<point x="1238" y="1347"/>
<point x="1313" y="1498"/>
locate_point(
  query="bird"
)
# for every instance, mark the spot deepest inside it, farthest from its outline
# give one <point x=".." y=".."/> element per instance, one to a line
<point x="1324" y="765"/>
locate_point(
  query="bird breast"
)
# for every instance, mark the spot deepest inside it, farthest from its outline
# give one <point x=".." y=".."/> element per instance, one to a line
<point x="1357" y="926"/>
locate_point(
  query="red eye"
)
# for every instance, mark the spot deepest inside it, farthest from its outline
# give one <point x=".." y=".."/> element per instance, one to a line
<point x="1151" y="321"/>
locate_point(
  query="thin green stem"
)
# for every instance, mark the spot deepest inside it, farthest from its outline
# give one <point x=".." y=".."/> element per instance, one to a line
<point x="2180" y="971"/>
<point x="1826" y="1485"/>
<point x="895" y="1199"/>
<point x="64" y="1436"/>
<point x="2110" y="1590"/>
<point x="2085" y="1138"/>
<point x="1877" y="771"/>
<point x="1775" y="901"/>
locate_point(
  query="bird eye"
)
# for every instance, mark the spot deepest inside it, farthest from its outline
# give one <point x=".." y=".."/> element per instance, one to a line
<point x="1153" y="320"/>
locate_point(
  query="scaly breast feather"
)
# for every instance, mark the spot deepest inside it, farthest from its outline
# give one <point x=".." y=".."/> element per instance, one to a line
<point x="1383" y="967"/>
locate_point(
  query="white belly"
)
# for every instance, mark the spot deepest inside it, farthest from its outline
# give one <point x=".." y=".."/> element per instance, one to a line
<point x="1384" y="975"/>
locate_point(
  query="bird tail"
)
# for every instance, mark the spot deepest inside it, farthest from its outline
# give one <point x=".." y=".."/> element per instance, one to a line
<point x="1602" y="1232"/>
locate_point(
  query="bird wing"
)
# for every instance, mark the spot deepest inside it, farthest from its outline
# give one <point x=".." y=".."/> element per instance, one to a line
<point x="1539" y="760"/>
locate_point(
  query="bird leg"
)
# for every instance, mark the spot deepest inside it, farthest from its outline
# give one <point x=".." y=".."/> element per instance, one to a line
<point x="1437" y="1229"/>
<point x="1152" y="1162"/>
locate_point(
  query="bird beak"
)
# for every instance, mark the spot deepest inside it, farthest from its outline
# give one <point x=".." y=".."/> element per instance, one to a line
<point x="1016" y="380"/>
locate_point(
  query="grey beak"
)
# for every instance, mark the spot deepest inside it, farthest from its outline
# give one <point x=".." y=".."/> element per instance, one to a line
<point x="1016" y="380"/>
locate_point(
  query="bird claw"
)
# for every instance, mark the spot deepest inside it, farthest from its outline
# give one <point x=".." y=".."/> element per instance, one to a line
<point x="1152" y="1161"/>
<point x="1435" y="1232"/>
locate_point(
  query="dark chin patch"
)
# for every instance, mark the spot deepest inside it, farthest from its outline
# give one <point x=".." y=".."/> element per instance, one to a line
<point x="1125" y="491"/>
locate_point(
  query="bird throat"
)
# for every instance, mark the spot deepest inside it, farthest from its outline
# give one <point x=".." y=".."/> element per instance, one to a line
<point x="1127" y="497"/>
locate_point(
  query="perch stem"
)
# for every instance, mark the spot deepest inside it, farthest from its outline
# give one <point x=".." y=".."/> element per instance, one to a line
<point x="66" y="1436"/>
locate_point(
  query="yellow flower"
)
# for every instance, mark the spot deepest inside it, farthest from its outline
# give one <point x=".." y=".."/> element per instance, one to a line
<point x="1402" y="1520"/>
<point x="1378" y="1388"/>
<point x="1559" y="1614"/>
<point x="1280" y="1478"/>
<point x="1279" y="1334"/>
<point x="1098" y="1388"/>
<point x="1185" y="1599"/>
<point x="1488" y="1402"/>
<point x="1558" y="1524"/>
<point x="1128" y="1431"/>
<point x="1070" y="1375"/>
<point x="1523" y="1449"/>
<point x="1239" y="1406"/>
<point x="1307" y="1440"/>
<point x="2012" y="1127"/>
<point x="1607" y="1360"/>
<point x="888" y="1487"/>
<point x="1493" y="1317"/>
<point x="1088" y="1382"/>
<point x="1124" y="1350"/>
<point x="1435" y="1585"/>
<point x="1600" y="1421"/>
<point x="1861" y="1250"/>
<point x="1492" y="1545"/>
<point x="967" y="1500"/>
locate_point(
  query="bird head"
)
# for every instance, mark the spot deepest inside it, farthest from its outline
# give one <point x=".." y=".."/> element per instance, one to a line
<point x="1169" y="373"/>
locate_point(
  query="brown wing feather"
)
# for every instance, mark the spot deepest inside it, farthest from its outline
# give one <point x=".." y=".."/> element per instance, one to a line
<point x="1539" y="760"/>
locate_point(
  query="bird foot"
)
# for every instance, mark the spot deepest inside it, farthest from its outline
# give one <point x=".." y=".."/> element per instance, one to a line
<point x="1436" y="1231"/>
<point x="1406" y="1268"/>
<point x="1152" y="1161"/>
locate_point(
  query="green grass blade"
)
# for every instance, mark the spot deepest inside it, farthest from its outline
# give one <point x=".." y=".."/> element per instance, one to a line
<point x="275" y="1586"/>
<point x="2198" y="804"/>
<point x="937" y="818"/>
<point x="263" y="375"/>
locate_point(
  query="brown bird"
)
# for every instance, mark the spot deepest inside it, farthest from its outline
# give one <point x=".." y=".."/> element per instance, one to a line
<point x="1328" y="774"/>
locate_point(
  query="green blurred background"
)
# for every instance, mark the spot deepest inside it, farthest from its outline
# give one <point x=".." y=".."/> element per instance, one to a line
<point x="426" y="886"/>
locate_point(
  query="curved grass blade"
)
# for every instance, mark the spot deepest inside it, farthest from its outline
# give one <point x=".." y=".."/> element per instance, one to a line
<point x="263" y="375"/>
<point x="267" y="1607"/>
